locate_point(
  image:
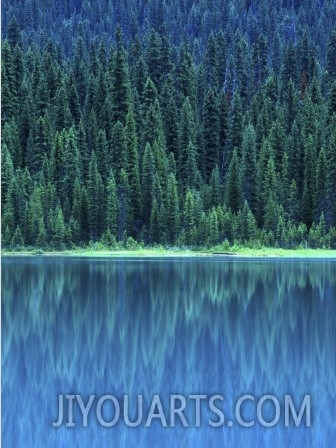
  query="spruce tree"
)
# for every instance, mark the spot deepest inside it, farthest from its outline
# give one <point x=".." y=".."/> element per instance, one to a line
<point x="321" y="185"/>
<point x="187" y="136"/>
<point x="112" y="205"/>
<point x="147" y="176"/>
<point x="124" y="210"/>
<point x="236" y="128"/>
<point x="331" y="177"/>
<point x="172" y="210"/>
<point x="249" y="167"/>
<point x="233" y="185"/>
<point x="132" y="157"/>
<point x="120" y="88"/>
<point x="95" y="200"/>
<point x="211" y="132"/>
<point x="155" y="230"/>
<point x="118" y="151"/>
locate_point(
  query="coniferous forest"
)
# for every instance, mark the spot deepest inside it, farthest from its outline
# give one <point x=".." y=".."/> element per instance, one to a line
<point x="183" y="123"/>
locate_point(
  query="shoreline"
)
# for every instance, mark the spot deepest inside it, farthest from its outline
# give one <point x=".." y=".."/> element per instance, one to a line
<point x="180" y="253"/>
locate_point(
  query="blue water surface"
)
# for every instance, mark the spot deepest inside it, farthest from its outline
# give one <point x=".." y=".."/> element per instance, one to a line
<point x="167" y="326"/>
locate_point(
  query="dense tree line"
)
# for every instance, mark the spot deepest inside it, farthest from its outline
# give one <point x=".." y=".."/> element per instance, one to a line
<point x="189" y="139"/>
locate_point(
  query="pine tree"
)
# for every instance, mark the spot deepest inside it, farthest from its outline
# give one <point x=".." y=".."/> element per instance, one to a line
<point x="332" y="99"/>
<point x="84" y="217"/>
<point x="170" y="116"/>
<point x="211" y="61"/>
<point x="59" y="229"/>
<point x="124" y="210"/>
<point x="236" y="128"/>
<point x="120" y="88"/>
<point x="133" y="171"/>
<point x="11" y="138"/>
<point x="17" y="240"/>
<point x="172" y="210"/>
<point x="154" y="57"/>
<point x="233" y="185"/>
<point x="215" y="187"/>
<point x="293" y="203"/>
<point x="35" y="213"/>
<point x="186" y="137"/>
<point x="186" y="76"/>
<point x="321" y="185"/>
<point x="249" y="167"/>
<point x="13" y="33"/>
<point x="9" y="93"/>
<point x="72" y="166"/>
<point x="211" y="132"/>
<point x="76" y="213"/>
<point x="331" y="177"/>
<point x="213" y="228"/>
<point x="63" y="118"/>
<point x="118" y="150"/>
<point x="223" y="110"/>
<point x="112" y="205"/>
<point x="241" y="66"/>
<point x="148" y="171"/>
<point x="192" y="174"/>
<point x="189" y="218"/>
<point x="155" y="230"/>
<point x="270" y="214"/>
<point x="259" y="58"/>
<point x="153" y="125"/>
<point x="331" y="56"/>
<point x="7" y="170"/>
<point x="41" y="240"/>
<point x="95" y="200"/>
<point x="289" y="67"/>
<point x="309" y="183"/>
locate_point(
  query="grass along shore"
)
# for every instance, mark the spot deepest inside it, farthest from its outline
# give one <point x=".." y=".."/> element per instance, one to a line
<point x="159" y="251"/>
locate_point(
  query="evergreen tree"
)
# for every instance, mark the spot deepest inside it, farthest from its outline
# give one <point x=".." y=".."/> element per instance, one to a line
<point x="124" y="210"/>
<point x="172" y="210"/>
<point x="7" y="170"/>
<point x="186" y="137"/>
<point x="236" y="128"/>
<point x="213" y="233"/>
<point x="308" y="183"/>
<point x="155" y="230"/>
<point x="249" y="167"/>
<point x="293" y="203"/>
<point x="112" y="205"/>
<point x="118" y="150"/>
<point x="17" y="240"/>
<point x="41" y="240"/>
<point x="120" y="88"/>
<point x="35" y="214"/>
<point x="331" y="177"/>
<point x="154" y="57"/>
<point x="186" y="76"/>
<point x="182" y="134"/>
<point x="211" y="132"/>
<point x="170" y="117"/>
<point x="95" y="200"/>
<point x="331" y="56"/>
<point x="233" y="187"/>
<point x="148" y="170"/>
<point x="133" y="171"/>
<point x="58" y="228"/>
<point x="321" y="185"/>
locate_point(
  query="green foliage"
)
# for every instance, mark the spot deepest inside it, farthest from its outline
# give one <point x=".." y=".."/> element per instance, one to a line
<point x="190" y="138"/>
<point x="233" y="188"/>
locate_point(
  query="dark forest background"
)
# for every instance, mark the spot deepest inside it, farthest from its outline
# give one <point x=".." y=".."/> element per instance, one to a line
<point x="188" y="123"/>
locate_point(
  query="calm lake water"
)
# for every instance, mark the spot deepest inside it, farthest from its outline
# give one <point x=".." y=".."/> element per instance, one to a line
<point x="167" y="326"/>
